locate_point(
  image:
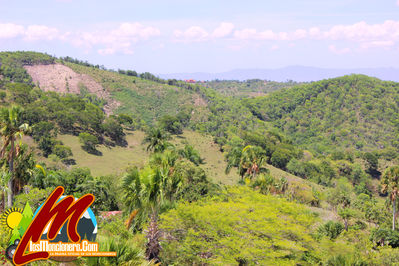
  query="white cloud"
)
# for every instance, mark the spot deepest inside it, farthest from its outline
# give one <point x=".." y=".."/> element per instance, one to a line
<point x="9" y="30"/>
<point x="362" y="31"/>
<point x="199" y="34"/>
<point x="225" y="29"/>
<point x="134" y="32"/>
<point x="192" y="34"/>
<point x="40" y="32"/>
<point x="338" y="51"/>
<point x="117" y="40"/>
<point x="120" y="39"/>
<point x="314" y="32"/>
<point x="377" y="44"/>
<point x="300" y="34"/>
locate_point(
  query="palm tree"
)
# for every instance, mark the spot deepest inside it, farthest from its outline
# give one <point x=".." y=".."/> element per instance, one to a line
<point x="157" y="140"/>
<point x="253" y="160"/>
<point x="191" y="154"/>
<point x="390" y="185"/>
<point x="149" y="190"/>
<point x="233" y="160"/>
<point x="11" y="130"/>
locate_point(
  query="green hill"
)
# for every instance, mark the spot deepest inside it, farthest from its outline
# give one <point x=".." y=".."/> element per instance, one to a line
<point x="250" y="87"/>
<point x="144" y="98"/>
<point x="348" y="112"/>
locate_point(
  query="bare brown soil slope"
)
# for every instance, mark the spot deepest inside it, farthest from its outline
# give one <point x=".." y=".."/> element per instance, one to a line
<point x="62" y="79"/>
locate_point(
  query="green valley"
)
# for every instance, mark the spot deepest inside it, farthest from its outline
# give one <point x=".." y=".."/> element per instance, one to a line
<point x="221" y="173"/>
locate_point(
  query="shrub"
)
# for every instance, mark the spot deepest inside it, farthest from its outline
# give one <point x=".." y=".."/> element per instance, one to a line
<point x="330" y="229"/>
<point x="384" y="236"/>
<point x="89" y="142"/>
<point x="280" y="158"/>
<point x="62" y="151"/>
<point x="213" y="231"/>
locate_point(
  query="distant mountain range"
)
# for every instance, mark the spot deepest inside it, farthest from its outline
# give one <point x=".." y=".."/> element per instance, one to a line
<point x="296" y="73"/>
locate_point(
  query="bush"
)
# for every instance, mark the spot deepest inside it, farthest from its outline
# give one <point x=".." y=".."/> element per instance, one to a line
<point x="113" y="129"/>
<point x="303" y="193"/>
<point x="46" y="144"/>
<point x="3" y="95"/>
<point x="384" y="236"/>
<point x="171" y="124"/>
<point x="212" y="232"/>
<point x="330" y="229"/>
<point x="280" y="158"/>
<point x="42" y="130"/>
<point x="34" y="196"/>
<point x="62" y="151"/>
<point x="89" y="142"/>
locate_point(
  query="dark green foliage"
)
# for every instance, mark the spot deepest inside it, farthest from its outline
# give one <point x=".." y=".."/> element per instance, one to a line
<point x="371" y="161"/>
<point x="125" y="119"/>
<point x="384" y="236"/>
<point x="46" y="145"/>
<point x="281" y="157"/>
<point x="12" y="64"/>
<point x="156" y="139"/>
<point x="105" y="191"/>
<point x="330" y="229"/>
<point x="171" y="124"/>
<point x="62" y="151"/>
<point x="43" y="129"/>
<point x="23" y="165"/>
<point x="131" y="73"/>
<point x="20" y="93"/>
<point x="191" y="154"/>
<point x="3" y="95"/>
<point x="250" y="87"/>
<point x="196" y="185"/>
<point x="113" y="129"/>
<point x="320" y="172"/>
<point x="334" y="113"/>
<point x="89" y="142"/>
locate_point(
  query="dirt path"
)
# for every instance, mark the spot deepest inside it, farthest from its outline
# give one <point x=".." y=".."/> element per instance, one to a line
<point x="62" y="79"/>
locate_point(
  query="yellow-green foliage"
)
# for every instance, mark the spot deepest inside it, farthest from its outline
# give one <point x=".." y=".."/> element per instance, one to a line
<point x="303" y="193"/>
<point x="238" y="226"/>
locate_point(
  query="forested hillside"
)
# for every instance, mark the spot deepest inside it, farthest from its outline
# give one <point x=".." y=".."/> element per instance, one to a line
<point x="352" y="112"/>
<point x="248" y="88"/>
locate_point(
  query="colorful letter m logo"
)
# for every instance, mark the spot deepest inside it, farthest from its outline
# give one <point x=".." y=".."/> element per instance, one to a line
<point x="67" y="209"/>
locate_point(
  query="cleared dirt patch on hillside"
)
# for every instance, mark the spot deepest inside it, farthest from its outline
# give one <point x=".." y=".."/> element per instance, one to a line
<point x="62" y="79"/>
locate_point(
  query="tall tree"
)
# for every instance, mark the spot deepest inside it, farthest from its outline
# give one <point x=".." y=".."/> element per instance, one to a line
<point x="233" y="160"/>
<point x="390" y="185"/>
<point x="253" y="160"/>
<point x="11" y="130"/>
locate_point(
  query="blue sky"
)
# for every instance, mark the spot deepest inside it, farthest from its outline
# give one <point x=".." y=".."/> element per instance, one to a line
<point x="207" y="36"/>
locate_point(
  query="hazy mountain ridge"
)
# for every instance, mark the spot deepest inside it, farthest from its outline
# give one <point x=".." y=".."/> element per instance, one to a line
<point x="295" y="73"/>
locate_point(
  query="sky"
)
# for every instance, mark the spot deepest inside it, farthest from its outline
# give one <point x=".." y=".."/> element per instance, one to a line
<point x="207" y="36"/>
